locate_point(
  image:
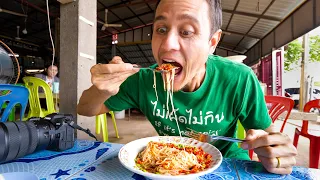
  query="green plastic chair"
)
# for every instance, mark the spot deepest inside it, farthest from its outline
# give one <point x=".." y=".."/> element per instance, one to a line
<point x="101" y="122"/>
<point x="33" y="84"/>
<point x="241" y="132"/>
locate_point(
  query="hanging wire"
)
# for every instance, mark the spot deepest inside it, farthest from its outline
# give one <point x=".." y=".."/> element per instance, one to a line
<point x="258" y="6"/>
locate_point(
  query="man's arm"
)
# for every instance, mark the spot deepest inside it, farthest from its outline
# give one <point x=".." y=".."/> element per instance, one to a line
<point x="271" y="129"/>
<point x="106" y="80"/>
<point x="91" y="102"/>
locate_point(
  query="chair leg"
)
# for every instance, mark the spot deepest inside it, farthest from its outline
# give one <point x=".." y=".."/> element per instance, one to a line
<point x="105" y="128"/>
<point x="251" y="154"/>
<point x="114" y="124"/>
<point x="314" y="153"/>
<point x="296" y="139"/>
<point x="98" y="126"/>
<point x="12" y="115"/>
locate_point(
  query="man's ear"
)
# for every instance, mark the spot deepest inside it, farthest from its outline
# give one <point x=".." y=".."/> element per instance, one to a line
<point x="215" y="40"/>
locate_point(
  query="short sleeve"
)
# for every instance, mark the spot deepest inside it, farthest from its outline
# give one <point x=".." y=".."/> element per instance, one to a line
<point x="253" y="112"/>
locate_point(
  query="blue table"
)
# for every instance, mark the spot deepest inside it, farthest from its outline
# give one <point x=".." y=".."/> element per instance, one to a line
<point x="95" y="160"/>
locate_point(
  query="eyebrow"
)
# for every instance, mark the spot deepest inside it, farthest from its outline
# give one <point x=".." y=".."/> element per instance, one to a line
<point x="188" y="17"/>
<point x="180" y="17"/>
<point x="159" y="18"/>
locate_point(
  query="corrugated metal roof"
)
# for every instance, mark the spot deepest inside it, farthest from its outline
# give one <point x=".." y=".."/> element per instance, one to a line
<point x="129" y="48"/>
<point x="263" y="27"/>
<point x="253" y="6"/>
<point x="248" y="42"/>
<point x="282" y="8"/>
<point x="225" y="19"/>
<point x="228" y="4"/>
<point x="148" y="52"/>
<point x="241" y="23"/>
<point x="232" y="39"/>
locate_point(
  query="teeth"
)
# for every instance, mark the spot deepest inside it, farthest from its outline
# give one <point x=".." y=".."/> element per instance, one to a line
<point x="168" y="60"/>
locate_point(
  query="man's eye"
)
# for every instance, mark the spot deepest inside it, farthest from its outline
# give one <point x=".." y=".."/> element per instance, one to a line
<point x="162" y="30"/>
<point x="186" y="33"/>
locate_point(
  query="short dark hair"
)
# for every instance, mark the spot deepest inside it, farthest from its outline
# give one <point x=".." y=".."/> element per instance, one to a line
<point x="215" y="14"/>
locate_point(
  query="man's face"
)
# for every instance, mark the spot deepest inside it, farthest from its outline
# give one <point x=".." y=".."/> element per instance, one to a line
<point x="182" y="36"/>
<point x="52" y="71"/>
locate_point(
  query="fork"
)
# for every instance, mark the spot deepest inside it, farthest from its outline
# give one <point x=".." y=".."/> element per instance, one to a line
<point x="210" y="138"/>
<point x="161" y="71"/>
<point x="140" y="67"/>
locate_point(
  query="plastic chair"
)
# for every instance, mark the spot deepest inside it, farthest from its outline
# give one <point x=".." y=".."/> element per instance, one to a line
<point x="314" y="153"/>
<point x="33" y="84"/>
<point x="16" y="95"/>
<point x="241" y="132"/>
<point x="101" y="122"/>
<point x="278" y="105"/>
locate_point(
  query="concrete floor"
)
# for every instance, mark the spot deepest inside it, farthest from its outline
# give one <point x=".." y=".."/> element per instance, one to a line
<point x="139" y="127"/>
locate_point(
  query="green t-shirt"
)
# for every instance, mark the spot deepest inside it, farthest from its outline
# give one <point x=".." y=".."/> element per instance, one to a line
<point x="230" y="91"/>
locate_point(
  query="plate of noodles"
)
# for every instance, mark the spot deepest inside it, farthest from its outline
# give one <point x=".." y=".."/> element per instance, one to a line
<point x="170" y="157"/>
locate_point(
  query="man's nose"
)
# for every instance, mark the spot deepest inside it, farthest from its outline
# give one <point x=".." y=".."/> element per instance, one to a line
<point x="171" y="42"/>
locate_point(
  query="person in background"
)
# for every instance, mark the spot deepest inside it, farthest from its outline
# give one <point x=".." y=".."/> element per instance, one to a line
<point x="50" y="76"/>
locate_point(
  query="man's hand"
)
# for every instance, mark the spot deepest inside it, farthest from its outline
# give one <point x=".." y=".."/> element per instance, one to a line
<point x="269" y="147"/>
<point x="107" y="78"/>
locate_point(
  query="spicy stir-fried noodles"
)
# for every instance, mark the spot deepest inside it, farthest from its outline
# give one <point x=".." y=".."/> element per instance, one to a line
<point x="172" y="159"/>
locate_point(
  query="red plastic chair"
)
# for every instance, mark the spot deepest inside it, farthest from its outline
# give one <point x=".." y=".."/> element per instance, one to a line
<point x="314" y="153"/>
<point x="278" y="105"/>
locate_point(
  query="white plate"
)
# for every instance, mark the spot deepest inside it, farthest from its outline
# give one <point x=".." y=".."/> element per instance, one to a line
<point x="129" y="152"/>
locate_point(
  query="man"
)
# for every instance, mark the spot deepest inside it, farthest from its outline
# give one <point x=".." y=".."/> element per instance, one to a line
<point x="211" y="93"/>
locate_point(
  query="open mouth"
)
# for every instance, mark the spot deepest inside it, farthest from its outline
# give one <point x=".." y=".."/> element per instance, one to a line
<point x="178" y="66"/>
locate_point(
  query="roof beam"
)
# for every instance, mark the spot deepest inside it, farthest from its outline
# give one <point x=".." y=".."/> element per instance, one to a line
<point x="233" y="45"/>
<point x="126" y="30"/>
<point x="123" y="54"/>
<point x="131" y="17"/>
<point x="44" y="11"/>
<point x="232" y="13"/>
<point x="253" y="15"/>
<point x="23" y="42"/>
<point x="144" y="55"/>
<point x="270" y="4"/>
<point x="135" y="15"/>
<point x="229" y="50"/>
<point x="126" y="4"/>
<point x="126" y="44"/>
<point x="240" y="34"/>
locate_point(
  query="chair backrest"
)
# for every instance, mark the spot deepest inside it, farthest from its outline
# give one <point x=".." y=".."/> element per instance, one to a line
<point x="13" y="96"/>
<point x="279" y="105"/>
<point x="33" y="84"/>
<point x="307" y="108"/>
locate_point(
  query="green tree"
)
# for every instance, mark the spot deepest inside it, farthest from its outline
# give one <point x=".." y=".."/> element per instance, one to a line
<point x="314" y="49"/>
<point x="292" y="55"/>
<point x="294" y="52"/>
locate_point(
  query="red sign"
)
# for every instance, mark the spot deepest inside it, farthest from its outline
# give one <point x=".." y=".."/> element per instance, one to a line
<point x="114" y="37"/>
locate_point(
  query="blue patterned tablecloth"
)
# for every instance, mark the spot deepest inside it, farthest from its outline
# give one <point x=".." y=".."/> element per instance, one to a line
<point x="95" y="160"/>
